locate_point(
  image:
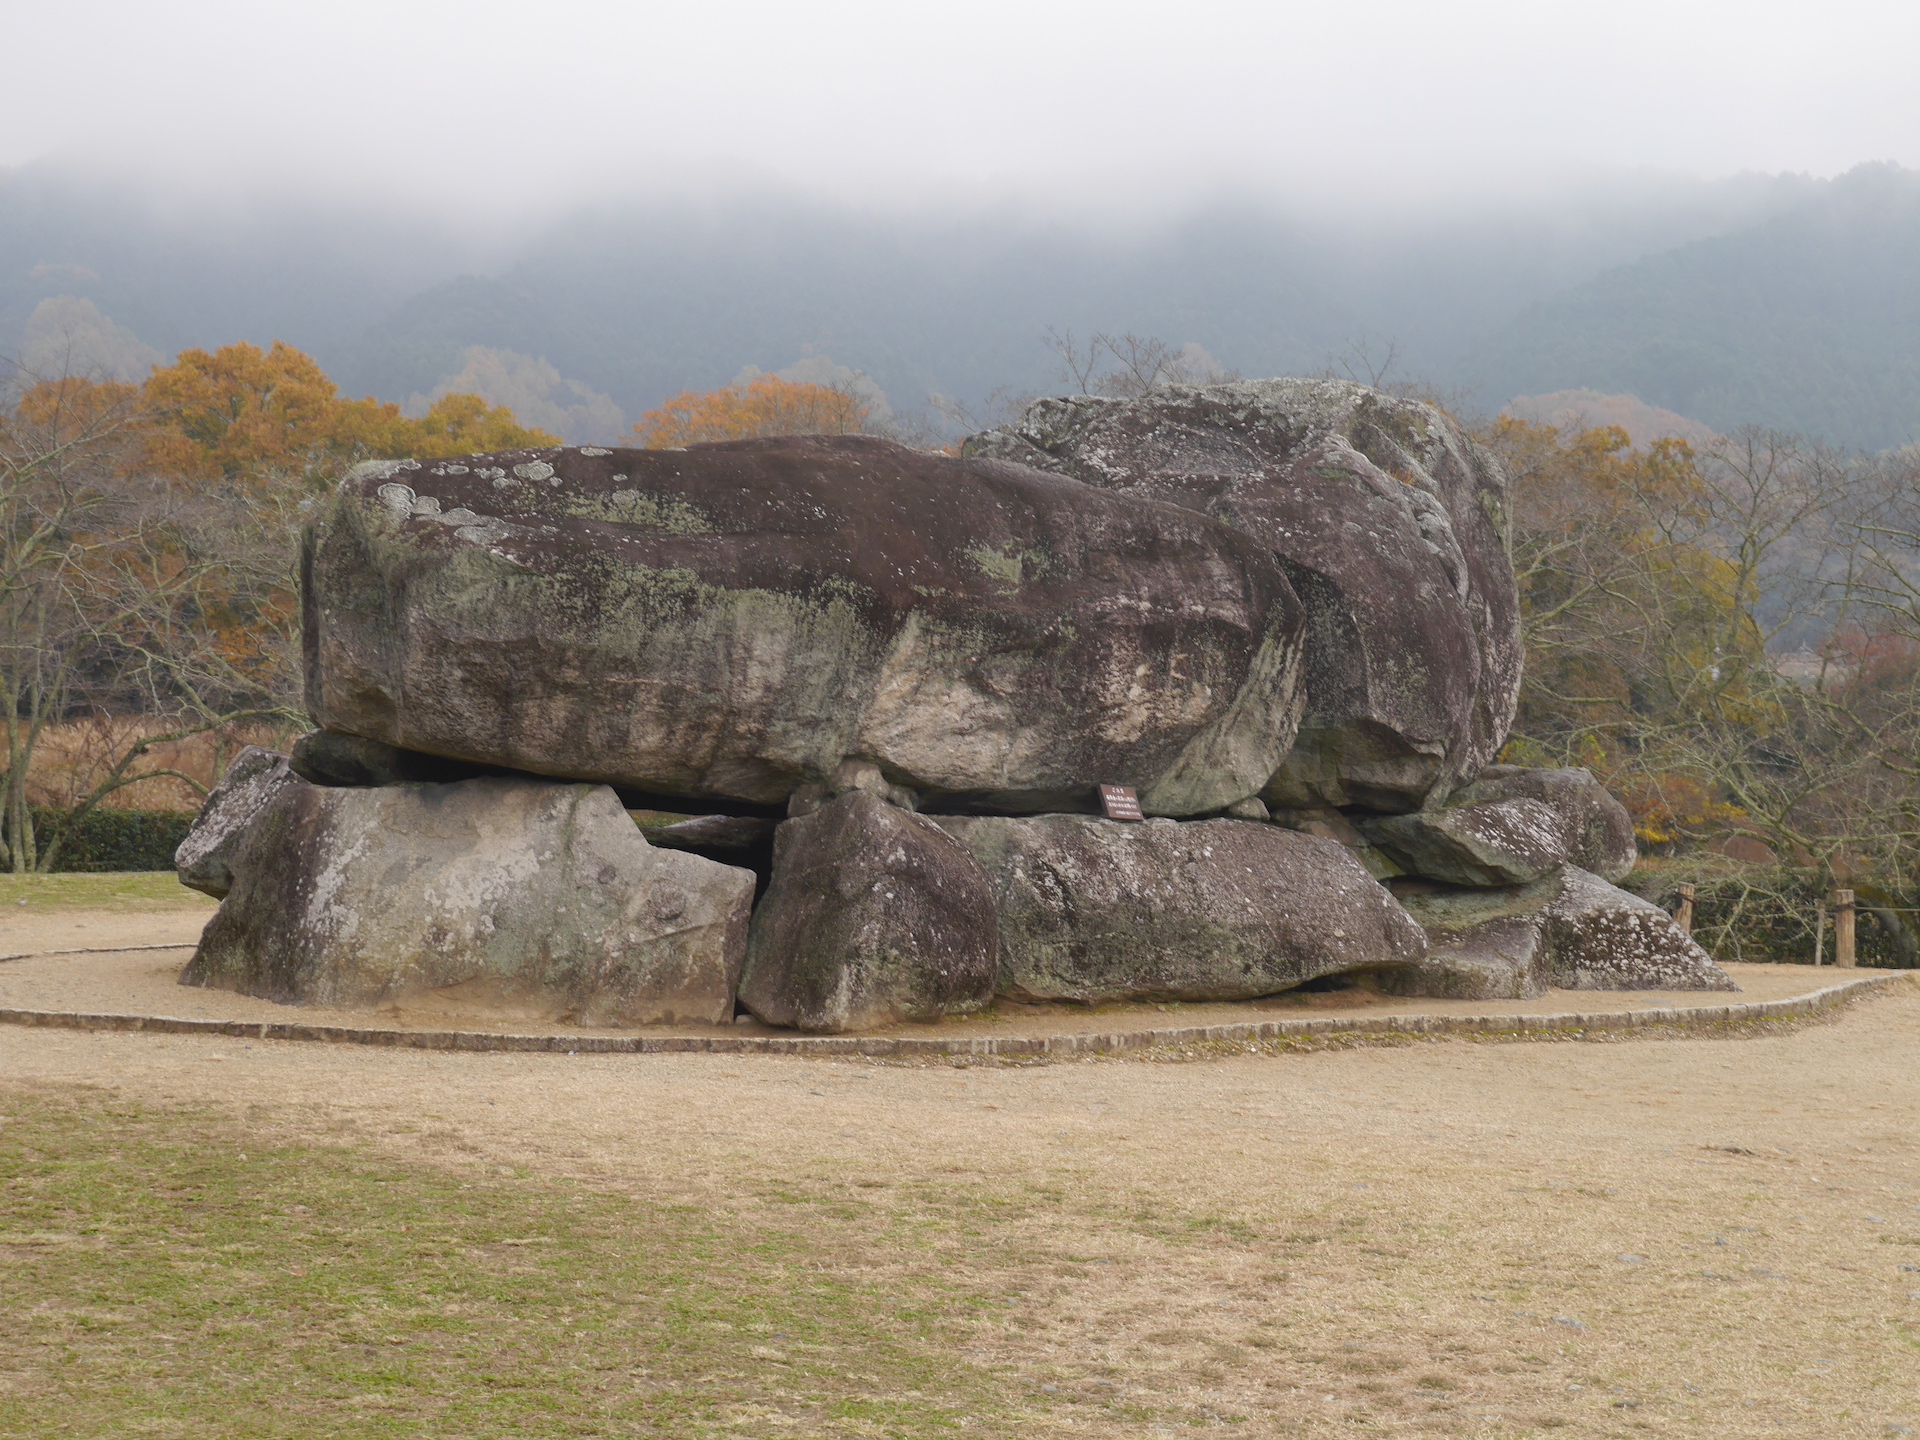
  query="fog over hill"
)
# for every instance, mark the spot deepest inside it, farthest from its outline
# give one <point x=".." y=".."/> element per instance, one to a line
<point x="1781" y="300"/>
<point x="1807" y="320"/>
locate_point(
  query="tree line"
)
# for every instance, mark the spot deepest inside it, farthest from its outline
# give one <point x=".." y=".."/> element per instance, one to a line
<point x="147" y="544"/>
<point x="1727" y="634"/>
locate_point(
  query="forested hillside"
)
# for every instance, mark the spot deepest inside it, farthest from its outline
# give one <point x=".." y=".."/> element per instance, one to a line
<point x="599" y="312"/>
<point x="1808" y="321"/>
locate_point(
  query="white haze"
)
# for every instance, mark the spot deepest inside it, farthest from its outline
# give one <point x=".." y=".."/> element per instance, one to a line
<point x="512" y="110"/>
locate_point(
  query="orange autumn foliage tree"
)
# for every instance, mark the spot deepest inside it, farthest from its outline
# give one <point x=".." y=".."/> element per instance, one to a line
<point x="243" y="412"/>
<point x="147" y="543"/>
<point x="767" y="405"/>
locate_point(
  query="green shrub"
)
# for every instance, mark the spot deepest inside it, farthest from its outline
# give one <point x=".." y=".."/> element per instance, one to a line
<point x="115" y="839"/>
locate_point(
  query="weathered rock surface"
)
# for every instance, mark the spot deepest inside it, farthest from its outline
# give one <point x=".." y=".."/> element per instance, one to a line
<point x="1483" y="944"/>
<point x="503" y="896"/>
<point x="874" y="915"/>
<point x="739" y="619"/>
<point x="1330" y="824"/>
<point x="1497" y="842"/>
<point x="1597" y="830"/>
<point x="1569" y="929"/>
<point x="1094" y="910"/>
<point x="1599" y="937"/>
<point x="1389" y="521"/>
<point x="204" y="860"/>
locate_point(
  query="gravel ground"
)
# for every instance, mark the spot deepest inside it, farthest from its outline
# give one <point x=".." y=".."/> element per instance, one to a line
<point x="1704" y="1237"/>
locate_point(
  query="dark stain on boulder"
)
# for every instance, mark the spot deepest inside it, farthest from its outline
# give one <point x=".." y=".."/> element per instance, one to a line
<point x="1389" y="521"/>
<point x="736" y="620"/>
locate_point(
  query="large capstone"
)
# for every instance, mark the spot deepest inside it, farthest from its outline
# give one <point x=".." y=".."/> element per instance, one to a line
<point x="1389" y="521"/>
<point x="1093" y="910"/>
<point x="515" y="897"/>
<point x="204" y="860"/>
<point x="874" y="915"/>
<point x="737" y="620"/>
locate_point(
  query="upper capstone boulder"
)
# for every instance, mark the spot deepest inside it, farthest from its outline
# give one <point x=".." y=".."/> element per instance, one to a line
<point x="739" y="619"/>
<point x="1388" y="519"/>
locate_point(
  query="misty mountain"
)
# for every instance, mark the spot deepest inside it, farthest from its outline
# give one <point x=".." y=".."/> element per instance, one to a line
<point x="1776" y="299"/>
<point x="175" y="274"/>
<point x="1807" y="321"/>
<point x="642" y="303"/>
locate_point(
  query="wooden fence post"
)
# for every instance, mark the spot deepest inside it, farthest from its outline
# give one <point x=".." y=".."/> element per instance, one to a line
<point x="1819" y="934"/>
<point x="1683" y="912"/>
<point x="1843" y="928"/>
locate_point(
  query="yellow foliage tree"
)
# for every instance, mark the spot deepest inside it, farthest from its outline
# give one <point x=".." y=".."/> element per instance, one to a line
<point x="243" y="412"/>
<point x="146" y="553"/>
<point x="764" y="406"/>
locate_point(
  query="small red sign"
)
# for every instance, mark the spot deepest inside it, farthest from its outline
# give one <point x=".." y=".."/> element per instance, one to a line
<point x="1120" y="802"/>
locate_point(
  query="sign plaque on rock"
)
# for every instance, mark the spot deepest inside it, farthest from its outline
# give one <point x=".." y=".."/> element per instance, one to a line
<point x="1120" y="802"/>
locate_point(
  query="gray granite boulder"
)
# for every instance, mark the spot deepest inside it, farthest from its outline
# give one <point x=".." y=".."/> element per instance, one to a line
<point x="736" y="620"/>
<point x="1497" y="842"/>
<point x="1596" y="829"/>
<point x="1388" y="519"/>
<point x="1482" y="944"/>
<point x="1599" y="937"/>
<point x="1569" y="929"/>
<point x="874" y="915"/>
<point x="1094" y="910"/>
<point x="512" y="897"/>
<point x="204" y="860"/>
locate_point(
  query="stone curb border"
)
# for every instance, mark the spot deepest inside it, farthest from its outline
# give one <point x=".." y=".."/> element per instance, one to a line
<point x="915" y="1046"/>
<point x="96" y="950"/>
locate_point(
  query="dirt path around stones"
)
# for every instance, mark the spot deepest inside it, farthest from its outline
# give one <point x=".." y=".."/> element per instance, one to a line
<point x="144" y="981"/>
<point x="1693" y="1236"/>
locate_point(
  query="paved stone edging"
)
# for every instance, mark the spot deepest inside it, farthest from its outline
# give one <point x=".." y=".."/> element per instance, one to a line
<point x="1242" y="1032"/>
<point x="96" y="950"/>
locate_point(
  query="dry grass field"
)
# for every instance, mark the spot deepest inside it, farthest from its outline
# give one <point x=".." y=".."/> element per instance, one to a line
<point x="1684" y="1237"/>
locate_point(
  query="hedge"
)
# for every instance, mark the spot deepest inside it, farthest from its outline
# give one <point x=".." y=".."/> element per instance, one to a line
<point x="116" y="839"/>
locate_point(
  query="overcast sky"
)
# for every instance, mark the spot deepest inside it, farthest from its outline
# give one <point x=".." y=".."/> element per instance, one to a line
<point x="531" y="103"/>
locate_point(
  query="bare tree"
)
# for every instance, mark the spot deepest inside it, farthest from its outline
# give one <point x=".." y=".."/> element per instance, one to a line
<point x="1079" y="364"/>
<point x="1126" y="366"/>
<point x="1362" y="366"/>
<point x="1709" y="630"/>
<point x="124" y="592"/>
